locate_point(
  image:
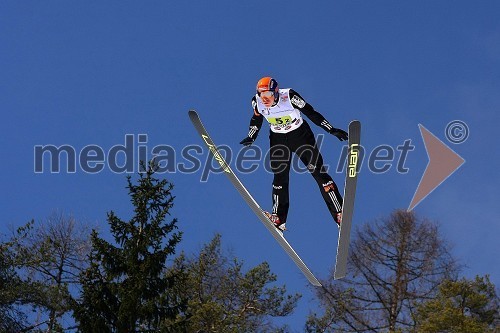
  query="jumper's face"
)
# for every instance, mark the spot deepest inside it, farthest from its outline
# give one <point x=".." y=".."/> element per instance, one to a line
<point x="267" y="98"/>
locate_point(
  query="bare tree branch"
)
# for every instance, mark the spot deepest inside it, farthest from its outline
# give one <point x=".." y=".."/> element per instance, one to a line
<point x="394" y="264"/>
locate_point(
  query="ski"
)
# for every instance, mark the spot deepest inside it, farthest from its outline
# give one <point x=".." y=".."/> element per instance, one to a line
<point x="195" y="119"/>
<point x="351" y="178"/>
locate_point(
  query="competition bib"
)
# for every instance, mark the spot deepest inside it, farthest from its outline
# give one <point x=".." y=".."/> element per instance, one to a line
<point x="282" y="117"/>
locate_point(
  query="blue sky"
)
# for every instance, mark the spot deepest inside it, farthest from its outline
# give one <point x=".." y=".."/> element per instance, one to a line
<point x="81" y="73"/>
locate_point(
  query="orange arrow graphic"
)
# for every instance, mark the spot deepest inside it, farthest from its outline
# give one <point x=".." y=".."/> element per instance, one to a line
<point x="443" y="161"/>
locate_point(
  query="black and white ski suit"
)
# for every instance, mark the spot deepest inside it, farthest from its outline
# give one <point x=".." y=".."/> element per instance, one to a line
<point x="290" y="133"/>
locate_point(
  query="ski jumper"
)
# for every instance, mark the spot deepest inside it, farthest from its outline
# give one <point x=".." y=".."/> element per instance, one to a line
<point x="290" y="133"/>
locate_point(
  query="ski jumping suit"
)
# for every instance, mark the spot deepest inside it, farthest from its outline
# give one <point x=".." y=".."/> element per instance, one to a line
<point x="289" y="132"/>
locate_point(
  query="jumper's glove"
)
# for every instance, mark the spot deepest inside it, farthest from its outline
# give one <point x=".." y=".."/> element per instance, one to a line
<point x="247" y="141"/>
<point x="340" y="134"/>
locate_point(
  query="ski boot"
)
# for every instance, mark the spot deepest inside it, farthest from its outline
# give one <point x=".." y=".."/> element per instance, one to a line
<point x="338" y="218"/>
<point x="276" y="221"/>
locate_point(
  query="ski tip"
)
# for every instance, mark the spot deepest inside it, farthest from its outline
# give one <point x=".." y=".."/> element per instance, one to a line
<point x="193" y="115"/>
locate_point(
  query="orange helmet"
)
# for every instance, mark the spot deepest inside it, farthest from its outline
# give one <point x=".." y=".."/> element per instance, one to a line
<point x="267" y="83"/>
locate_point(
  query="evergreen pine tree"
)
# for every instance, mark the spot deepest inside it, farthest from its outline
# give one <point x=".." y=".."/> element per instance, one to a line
<point x="463" y="306"/>
<point x="124" y="288"/>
